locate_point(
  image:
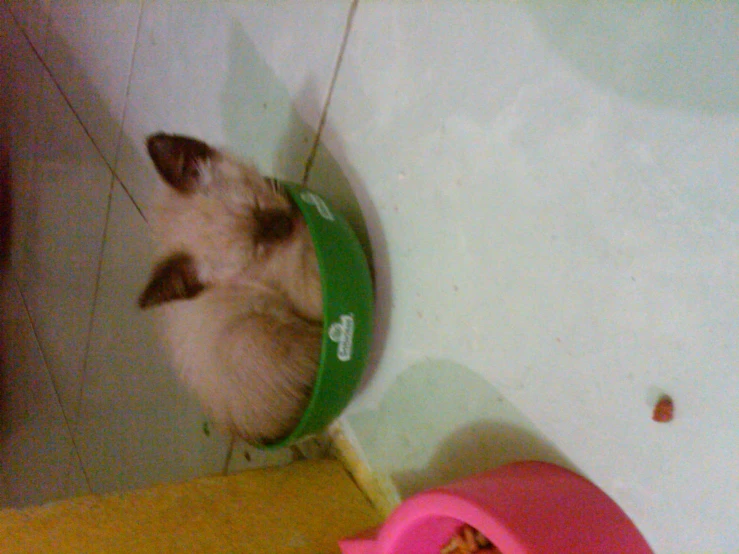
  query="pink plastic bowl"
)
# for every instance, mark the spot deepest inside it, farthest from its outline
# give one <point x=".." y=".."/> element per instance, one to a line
<point x="523" y="508"/>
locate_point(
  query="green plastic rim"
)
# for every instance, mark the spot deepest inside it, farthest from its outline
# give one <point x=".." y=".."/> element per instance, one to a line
<point x="348" y="306"/>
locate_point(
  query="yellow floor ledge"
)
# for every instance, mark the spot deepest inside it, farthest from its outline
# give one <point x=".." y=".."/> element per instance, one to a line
<point x="305" y="507"/>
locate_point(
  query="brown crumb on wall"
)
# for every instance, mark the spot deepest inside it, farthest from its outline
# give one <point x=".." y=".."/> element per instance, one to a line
<point x="664" y="410"/>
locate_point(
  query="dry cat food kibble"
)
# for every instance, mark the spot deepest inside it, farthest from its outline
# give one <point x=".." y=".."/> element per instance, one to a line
<point x="664" y="410"/>
<point x="468" y="540"/>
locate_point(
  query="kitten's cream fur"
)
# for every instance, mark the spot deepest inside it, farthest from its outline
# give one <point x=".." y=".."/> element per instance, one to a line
<point x="237" y="286"/>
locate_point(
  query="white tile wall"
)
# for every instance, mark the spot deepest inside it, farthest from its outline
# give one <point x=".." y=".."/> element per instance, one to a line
<point x="90" y="47"/>
<point x="94" y="406"/>
<point x="22" y="75"/>
<point x="33" y="18"/>
<point x="136" y="425"/>
<point x="38" y="458"/>
<point x="217" y="71"/>
<point x="65" y="219"/>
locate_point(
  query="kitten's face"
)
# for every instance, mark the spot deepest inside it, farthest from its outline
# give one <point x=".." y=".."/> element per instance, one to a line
<point x="215" y="218"/>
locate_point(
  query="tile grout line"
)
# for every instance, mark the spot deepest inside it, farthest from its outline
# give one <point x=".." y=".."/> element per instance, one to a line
<point x="324" y="112"/>
<point x="20" y="289"/>
<point x="93" y="310"/>
<point x="51" y="381"/>
<point x="104" y="241"/>
<point x="64" y="411"/>
<point x="128" y="84"/>
<point x="74" y="111"/>
<point x="119" y="139"/>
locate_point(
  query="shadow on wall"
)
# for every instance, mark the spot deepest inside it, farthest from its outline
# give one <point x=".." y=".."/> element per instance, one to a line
<point x="6" y="197"/>
<point x="244" y="105"/>
<point x="338" y="181"/>
<point x="255" y="123"/>
<point x="97" y="116"/>
<point x="6" y="223"/>
<point x="681" y="55"/>
<point x="6" y="220"/>
<point x="34" y="153"/>
<point x="440" y="421"/>
<point x="478" y="447"/>
<point x="6" y="204"/>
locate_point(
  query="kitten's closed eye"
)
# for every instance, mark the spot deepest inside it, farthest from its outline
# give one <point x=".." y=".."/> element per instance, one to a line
<point x="273" y="225"/>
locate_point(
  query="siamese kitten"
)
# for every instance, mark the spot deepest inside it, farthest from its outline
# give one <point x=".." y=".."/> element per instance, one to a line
<point x="237" y="286"/>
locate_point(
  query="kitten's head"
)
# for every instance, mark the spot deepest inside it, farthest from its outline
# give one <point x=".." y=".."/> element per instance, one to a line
<point x="216" y="217"/>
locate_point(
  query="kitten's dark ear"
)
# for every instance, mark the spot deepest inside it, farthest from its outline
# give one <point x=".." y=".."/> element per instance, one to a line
<point x="174" y="278"/>
<point x="176" y="158"/>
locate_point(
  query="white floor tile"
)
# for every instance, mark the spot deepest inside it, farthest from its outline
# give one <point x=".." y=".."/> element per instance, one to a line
<point x="558" y="216"/>
<point x="137" y="424"/>
<point x="37" y="456"/>
<point x="249" y="76"/>
<point x="62" y="228"/>
<point x="89" y="52"/>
